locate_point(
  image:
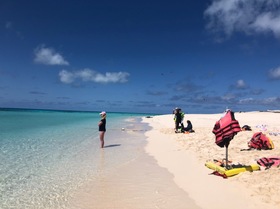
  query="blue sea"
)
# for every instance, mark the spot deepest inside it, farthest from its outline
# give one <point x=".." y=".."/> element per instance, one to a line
<point x="45" y="156"/>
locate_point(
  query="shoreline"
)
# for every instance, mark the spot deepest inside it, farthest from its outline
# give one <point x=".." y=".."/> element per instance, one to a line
<point x="136" y="184"/>
<point x="184" y="155"/>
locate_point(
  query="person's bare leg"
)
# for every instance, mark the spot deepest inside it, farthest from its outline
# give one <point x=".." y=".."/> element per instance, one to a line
<point x="101" y="136"/>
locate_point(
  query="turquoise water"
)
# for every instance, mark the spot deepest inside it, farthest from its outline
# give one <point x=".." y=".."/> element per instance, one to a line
<point x="47" y="155"/>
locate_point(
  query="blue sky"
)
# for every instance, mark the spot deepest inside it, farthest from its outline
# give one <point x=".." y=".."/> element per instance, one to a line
<point x="140" y="56"/>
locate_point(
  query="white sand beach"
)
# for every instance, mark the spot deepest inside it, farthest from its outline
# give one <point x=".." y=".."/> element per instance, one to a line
<point x="184" y="156"/>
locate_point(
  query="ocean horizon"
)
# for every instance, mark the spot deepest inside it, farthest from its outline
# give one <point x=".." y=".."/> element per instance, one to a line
<point x="46" y="155"/>
<point x="70" y="110"/>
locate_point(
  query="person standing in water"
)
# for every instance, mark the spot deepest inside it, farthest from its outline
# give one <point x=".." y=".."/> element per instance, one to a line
<point x="102" y="128"/>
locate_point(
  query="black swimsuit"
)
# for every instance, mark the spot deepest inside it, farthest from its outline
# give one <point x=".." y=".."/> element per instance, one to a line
<point x="102" y="127"/>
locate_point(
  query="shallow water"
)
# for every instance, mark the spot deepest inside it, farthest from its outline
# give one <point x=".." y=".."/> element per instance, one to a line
<point x="46" y="156"/>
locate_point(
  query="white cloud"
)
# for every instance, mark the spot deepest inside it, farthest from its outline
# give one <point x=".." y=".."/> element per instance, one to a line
<point x="248" y="16"/>
<point x="49" y="56"/>
<point x="93" y="76"/>
<point x="274" y="73"/>
<point x="66" y="77"/>
<point x="240" y="84"/>
<point x="228" y="97"/>
<point x="271" y="100"/>
<point x="246" y="101"/>
<point x="274" y="101"/>
<point x="268" y="22"/>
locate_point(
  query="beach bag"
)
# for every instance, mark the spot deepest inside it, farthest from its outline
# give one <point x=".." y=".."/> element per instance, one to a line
<point x="226" y="128"/>
<point x="260" y="141"/>
<point x="267" y="162"/>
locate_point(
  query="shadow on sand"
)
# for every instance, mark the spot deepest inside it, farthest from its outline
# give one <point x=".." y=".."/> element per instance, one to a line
<point x="112" y="145"/>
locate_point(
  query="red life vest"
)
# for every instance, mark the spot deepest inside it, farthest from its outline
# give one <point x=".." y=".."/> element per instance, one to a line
<point x="226" y="128"/>
<point x="269" y="161"/>
<point x="260" y="141"/>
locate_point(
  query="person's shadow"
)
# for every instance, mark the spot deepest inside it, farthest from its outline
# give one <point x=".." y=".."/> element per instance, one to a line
<point x="112" y="145"/>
